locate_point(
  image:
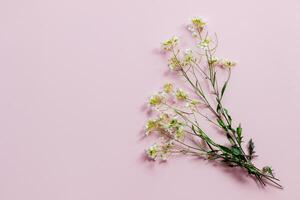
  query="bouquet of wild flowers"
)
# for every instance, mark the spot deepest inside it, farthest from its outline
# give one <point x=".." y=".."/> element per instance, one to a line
<point x="178" y="113"/>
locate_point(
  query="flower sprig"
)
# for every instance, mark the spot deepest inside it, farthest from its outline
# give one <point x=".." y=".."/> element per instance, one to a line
<point x="178" y="112"/>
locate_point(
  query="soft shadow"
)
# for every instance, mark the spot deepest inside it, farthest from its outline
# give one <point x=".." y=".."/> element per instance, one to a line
<point x="144" y="159"/>
<point x="238" y="174"/>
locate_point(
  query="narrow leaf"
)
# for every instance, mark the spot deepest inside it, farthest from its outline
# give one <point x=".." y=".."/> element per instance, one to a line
<point x="236" y="151"/>
<point x="223" y="89"/>
<point x="225" y="149"/>
<point x="230" y="138"/>
<point x="239" y="134"/>
<point x="214" y="78"/>
<point x="221" y="123"/>
<point x="227" y="114"/>
<point x="251" y="151"/>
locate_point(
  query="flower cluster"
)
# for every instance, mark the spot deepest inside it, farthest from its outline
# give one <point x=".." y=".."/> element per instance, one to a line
<point x="214" y="61"/>
<point x="168" y="88"/>
<point x="175" y="63"/>
<point x="177" y="112"/>
<point x="161" y="98"/>
<point x="181" y="95"/>
<point x="188" y="58"/>
<point x="196" y="26"/>
<point x="156" y="100"/>
<point x="170" y="129"/>
<point x="169" y="44"/>
<point x="162" y="151"/>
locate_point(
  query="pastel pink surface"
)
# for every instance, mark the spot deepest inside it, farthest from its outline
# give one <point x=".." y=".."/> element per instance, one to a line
<point x="75" y="75"/>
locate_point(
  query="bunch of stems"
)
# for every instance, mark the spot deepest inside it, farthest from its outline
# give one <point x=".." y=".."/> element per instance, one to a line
<point x="199" y="72"/>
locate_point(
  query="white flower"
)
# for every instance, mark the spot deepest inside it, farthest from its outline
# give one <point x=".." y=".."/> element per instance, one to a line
<point x="179" y="134"/>
<point x="174" y="63"/>
<point x="188" y="57"/>
<point x="204" y="44"/>
<point x="156" y="100"/>
<point x="152" y="151"/>
<point x="181" y="95"/>
<point x="165" y="149"/>
<point x="190" y="27"/>
<point x="214" y="61"/>
<point x="228" y="63"/>
<point x="198" y="23"/>
<point x="151" y="125"/>
<point x="168" y="88"/>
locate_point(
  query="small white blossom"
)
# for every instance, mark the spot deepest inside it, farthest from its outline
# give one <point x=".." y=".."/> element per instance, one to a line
<point x="181" y="95"/>
<point x="168" y="88"/>
<point x="228" y="63"/>
<point x="188" y="57"/>
<point x="152" y="151"/>
<point x="165" y="149"/>
<point x="180" y="133"/>
<point x="151" y="125"/>
<point x="156" y="100"/>
<point x="204" y="44"/>
<point x="174" y="63"/>
<point x="214" y="61"/>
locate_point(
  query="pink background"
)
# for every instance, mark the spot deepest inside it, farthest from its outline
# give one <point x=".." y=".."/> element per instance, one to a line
<point x="75" y="75"/>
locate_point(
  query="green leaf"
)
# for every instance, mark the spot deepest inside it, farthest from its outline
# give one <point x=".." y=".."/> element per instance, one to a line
<point x="230" y="139"/>
<point x="251" y="170"/>
<point x="236" y="150"/>
<point x="225" y="149"/>
<point x="239" y="134"/>
<point x="223" y="89"/>
<point x="214" y="78"/>
<point x="193" y="128"/>
<point x="221" y="123"/>
<point x="227" y="114"/>
<point x="202" y="135"/>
